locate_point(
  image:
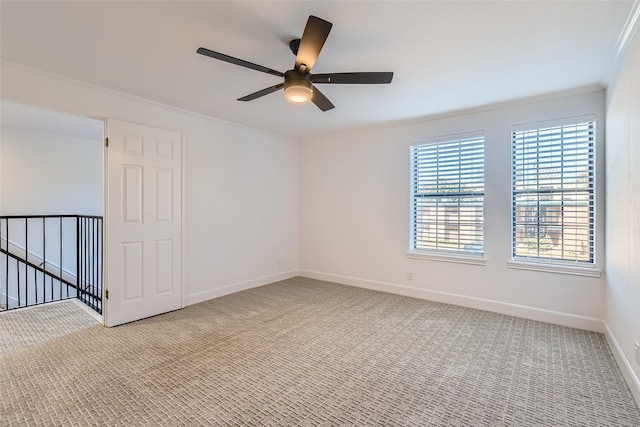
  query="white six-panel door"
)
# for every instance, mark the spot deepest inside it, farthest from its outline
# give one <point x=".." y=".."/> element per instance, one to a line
<point x="144" y="224"/>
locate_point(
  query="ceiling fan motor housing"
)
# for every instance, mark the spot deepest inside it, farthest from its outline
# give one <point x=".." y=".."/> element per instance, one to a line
<point x="294" y="45"/>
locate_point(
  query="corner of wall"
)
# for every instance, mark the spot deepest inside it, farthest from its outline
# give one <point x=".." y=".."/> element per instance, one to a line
<point x="237" y="287"/>
<point x="625" y="365"/>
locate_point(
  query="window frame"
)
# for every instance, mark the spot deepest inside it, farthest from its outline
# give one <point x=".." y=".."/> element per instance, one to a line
<point x="448" y="255"/>
<point x="556" y="265"/>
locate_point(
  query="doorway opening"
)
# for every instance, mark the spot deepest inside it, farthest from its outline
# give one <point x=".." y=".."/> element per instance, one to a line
<point x="51" y="208"/>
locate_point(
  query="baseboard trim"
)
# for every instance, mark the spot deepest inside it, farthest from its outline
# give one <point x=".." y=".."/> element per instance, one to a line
<point x="91" y="312"/>
<point x="533" y="313"/>
<point x="633" y="382"/>
<point x="237" y="287"/>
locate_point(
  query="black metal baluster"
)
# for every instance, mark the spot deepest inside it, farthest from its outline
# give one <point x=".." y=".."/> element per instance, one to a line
<point x="85" y="266"/>
<point x="26" y="257"/>
<point x="18" y="284"/>
<point x="87" y="277"/>
<point x="78" y="261"/>
<point x="87" y="257"/>
<point x="92" y="234"/>
<point x="7" y="262"/>
<point x="85" y="229"/>
<point x="44" y="259"/>
<point x="90" y="259"/>
<point x="35" y="280"/>
<point x="94" y="262"/>
<point x="101" y="264"/>
<point x="60" y="281"/>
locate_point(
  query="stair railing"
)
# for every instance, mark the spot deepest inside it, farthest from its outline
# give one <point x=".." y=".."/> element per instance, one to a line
<point x="45" y="258"/>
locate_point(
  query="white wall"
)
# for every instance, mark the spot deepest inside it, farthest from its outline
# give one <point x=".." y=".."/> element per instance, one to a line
<point x="354" y="217"/>
<point x="623" y="212"/>
<point x="44" y="173"/>
<point x="240" y="186"/>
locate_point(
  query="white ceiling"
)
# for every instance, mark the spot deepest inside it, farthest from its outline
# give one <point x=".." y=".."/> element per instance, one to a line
<point x="446" y="55"/>
<point x="26" y="117"/>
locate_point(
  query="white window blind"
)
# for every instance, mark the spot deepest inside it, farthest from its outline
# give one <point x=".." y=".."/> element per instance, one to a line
<point x="553" y="192"/>
<point x="447" y="195"/>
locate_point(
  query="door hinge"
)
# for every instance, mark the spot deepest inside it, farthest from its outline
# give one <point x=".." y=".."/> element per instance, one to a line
<point x="106" y="142"/>
<point x="106" y="294"/>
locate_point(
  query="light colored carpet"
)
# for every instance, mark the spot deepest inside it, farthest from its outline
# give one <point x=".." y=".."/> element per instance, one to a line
<point x="305" y="352"/>
<point x="25" y="328"/>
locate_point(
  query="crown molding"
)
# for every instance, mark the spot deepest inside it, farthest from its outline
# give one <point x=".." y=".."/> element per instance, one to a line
<point x="624" y="39"/>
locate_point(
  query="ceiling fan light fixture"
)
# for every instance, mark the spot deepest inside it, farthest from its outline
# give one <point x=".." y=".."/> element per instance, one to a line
<point x="298" y="91"/>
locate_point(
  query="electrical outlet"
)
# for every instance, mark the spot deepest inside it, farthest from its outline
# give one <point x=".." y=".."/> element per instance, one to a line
<point x="409" y="275"/>
<point x="637" y="348"/>
<point x="279" y="264"/>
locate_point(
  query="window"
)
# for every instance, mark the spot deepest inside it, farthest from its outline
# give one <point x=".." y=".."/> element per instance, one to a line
<point x="447" y="195"/>
<point x="553" y="191"/>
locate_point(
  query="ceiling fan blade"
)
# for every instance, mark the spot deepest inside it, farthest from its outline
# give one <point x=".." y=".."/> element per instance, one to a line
<point x="321" y="101"/>
<point x="353" y="78"/>
<point x="236" y="61"/>
<point x="262" y="92"/>
<point x="313" y="38"/>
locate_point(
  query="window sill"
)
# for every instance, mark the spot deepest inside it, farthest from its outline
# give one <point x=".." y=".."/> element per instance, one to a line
<point x="460" y="259"/>
<point x="556" y="268"/>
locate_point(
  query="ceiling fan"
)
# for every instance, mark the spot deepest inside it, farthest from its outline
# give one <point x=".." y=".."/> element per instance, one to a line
<point x="299" y="82"/>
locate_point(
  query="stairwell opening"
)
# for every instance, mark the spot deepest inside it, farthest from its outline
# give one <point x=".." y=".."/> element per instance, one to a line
<point x="51" y="207"/>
